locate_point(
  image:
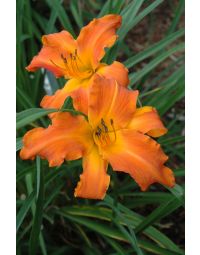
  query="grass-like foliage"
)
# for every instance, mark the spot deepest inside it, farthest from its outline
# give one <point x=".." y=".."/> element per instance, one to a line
<point x="49" y="219"/>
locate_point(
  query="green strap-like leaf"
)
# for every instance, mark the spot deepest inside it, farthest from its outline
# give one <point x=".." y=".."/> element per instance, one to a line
<point x="159" y="213"/>
<point x="115" y="246"/>
<point x="128" y="23"/>
<point x="128" y="16"/>
<point x="23" y="99"/>
<point x="22" y="173"/>
<point x="24" y="209"/>
<point x="26" y="117"/>
<point x="178" y="192"/>
<point x="18" y="143"/>
<point x="106" y="214"/>
<point x="105" y="9"/>
<point x="37" y="221"/>
<point x="134" y="77"/>
<point x="76" y="12"/>
<point x="62" y="15"/>
<point x="177" y="15"/>
<point x="68" y="104"/>
<point x="151" y="232"/>
<point x="111" y="232"/>
<point x="153" y="49"/>
<point x="146" y="11"/>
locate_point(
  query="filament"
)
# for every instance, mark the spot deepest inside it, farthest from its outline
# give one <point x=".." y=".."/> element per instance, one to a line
<point x="76" y="54"/>
<point x="112" y="124"/>
<point x="56" y="64"/>
<point x="71" y="64"/>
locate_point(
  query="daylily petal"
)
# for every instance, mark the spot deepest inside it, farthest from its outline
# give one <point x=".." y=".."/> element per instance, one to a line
<point x="80" y="100"/>
<point x="147" y="120"/>
<point x="94" y="180"/>
<point x="54" y="101"/>
<point x="141" y="157"/>
<point x="54" y="45"/>
<point x="77" y="89"/>
<point x="69" y="137"/>
<point x="97" y="35"/>
<point x="63" y="41"/>
<point x="116" y="71"/>
<point x="48" y="58"/>
<point x="110" y="101"/>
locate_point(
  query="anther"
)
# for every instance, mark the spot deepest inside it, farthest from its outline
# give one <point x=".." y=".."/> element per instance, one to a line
<point x="104" y="125"/>
<point x="112" y="124"/>
<point x="66" y="65"/>
<point x="63" y="58"/>
<point x="98" y="132"/>
<point x="73" y="67"/>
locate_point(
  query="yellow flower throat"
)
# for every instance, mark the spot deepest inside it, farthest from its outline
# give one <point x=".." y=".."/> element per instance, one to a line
<point x="74" y="66"/>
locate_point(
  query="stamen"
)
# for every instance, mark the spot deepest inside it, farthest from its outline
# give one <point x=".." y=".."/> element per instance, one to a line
<point x="103" y="134"/>
<point x="56" y="64"/>
<point x="63" y="58"/>
<point x="72" y="65"/>
<point x="107" y="138"/>
<point x="102" y="140"/>
<point x="112" y="124"/>
<point x="66" y="65"/>
<point x="98" y="132"/>
<point x="104" y="125"/>
<point x="76" y="54"/>
<point x="74" y="58"/>
<point x="100" y="136"/>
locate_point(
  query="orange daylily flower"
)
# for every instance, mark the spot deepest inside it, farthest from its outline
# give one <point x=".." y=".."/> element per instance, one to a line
<point x="116" y="132"/>
<point x="78" y="60"/>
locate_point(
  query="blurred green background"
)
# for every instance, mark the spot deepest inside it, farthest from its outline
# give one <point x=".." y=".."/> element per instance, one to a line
<point x="49" y="219"/>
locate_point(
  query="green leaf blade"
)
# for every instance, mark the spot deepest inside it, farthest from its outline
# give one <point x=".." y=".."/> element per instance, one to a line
<point x="24" y="209"/>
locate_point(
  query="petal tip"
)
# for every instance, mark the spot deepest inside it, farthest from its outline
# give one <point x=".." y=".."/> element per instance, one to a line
<point x="169" y="177"/>
<point x="82" y="190"/>
<point x="29" y="68"/>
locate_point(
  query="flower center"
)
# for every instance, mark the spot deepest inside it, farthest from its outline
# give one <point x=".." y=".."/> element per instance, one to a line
<point x="104" y="134"/>
<point x="74" y="66"/>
